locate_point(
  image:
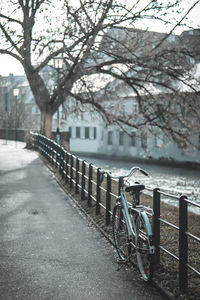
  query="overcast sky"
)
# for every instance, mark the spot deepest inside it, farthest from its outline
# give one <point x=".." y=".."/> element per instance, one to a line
<point x="10" y="65"/>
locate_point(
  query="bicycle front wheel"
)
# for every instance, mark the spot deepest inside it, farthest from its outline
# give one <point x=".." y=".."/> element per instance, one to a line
<point x="120" y="233"/>
<point x="144" y="251"/>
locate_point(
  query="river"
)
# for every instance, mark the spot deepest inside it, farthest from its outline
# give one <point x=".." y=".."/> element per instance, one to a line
<point x="170" y="179"/>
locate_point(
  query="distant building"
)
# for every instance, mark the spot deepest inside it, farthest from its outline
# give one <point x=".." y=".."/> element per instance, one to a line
<point x="21" y="111"/>
<point x="144" y="143"/>
<point x="90" y="135"/>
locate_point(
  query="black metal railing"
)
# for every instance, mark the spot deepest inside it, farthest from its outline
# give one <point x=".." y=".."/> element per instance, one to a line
<point x="85" y="179"/>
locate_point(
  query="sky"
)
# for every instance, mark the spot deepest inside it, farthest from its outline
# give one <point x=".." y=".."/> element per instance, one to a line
<point x="10" y="65"/>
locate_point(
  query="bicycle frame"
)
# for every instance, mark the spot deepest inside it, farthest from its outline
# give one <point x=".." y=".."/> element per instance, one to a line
<point x="124" y="207"/>
<point x="131" y="227"/>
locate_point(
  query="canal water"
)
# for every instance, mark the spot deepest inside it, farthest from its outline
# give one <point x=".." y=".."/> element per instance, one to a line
<point x="170" y="179"/>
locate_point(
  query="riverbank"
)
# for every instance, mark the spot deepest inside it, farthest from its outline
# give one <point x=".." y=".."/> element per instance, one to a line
<point x="170" y="179"/>
<point x="150" y="161"/>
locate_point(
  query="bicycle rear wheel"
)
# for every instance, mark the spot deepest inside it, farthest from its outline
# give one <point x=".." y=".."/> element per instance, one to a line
<point x="144" y="253"/>
<point x="120" y="233"/>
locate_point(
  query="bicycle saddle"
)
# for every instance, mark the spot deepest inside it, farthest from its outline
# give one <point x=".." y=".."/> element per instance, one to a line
<point x="135" y="188"/>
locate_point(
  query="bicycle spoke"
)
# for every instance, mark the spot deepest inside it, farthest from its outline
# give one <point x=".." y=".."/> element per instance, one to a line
<point x="144" y="258"/>
<point x="120" y="233"/>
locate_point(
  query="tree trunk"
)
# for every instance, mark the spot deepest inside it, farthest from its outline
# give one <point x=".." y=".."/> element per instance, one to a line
<point x="46" y="123"/>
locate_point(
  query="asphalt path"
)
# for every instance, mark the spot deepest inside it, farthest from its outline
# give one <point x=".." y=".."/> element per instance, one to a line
<point x="48" y="248"/>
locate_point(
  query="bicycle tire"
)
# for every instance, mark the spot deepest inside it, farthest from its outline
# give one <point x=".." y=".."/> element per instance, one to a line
<point x="120" y="233"/>
<point x="143" y="243"/>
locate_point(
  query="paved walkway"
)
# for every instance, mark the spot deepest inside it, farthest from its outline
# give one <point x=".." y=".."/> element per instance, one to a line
<point x="47" y="248"/>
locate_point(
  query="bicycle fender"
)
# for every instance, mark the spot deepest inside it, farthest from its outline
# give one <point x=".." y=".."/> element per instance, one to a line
<point x="148" y="225"/>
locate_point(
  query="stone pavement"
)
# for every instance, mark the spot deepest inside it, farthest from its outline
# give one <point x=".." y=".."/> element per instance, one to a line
<point x="48" y="250"/>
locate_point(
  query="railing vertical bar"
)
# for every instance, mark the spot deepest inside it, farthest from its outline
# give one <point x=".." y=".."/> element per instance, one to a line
<point x="57" y="156"/>
<point x="66" y="168"/>
<point x="83" y="181"/>
<point x="60" y="160"/>
<point x="52" y="153"/>
<point x="90" y="176"/>
<point x="98" y="193"/>
<point x="120" y="184"/>
<point x="183" y="244"/>
<point x="63" y="162"/>
<point x="108" y="200"/>
<point x="71" y="171"/>
<point x="156" y="224"/>
<point x="77" y="176"/>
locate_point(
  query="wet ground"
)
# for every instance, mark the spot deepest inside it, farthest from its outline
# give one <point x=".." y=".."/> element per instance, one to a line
<point x="48" y="249"/>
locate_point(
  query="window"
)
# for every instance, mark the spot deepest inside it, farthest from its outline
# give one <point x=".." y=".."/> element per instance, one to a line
<point x="133" y="139"/>
<point x="78" y="132"/>
<point x="93" y="133"/>
<point x="72" y="132"/>
<point x="110" y="137"/>
<point x="82" y="132"/>
<point x="87" y="132"/>
<point x="144" y="140"/>
<point x="121" y="138"/>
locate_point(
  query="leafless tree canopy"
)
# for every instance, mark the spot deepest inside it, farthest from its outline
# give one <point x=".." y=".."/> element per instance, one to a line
<point x="100" y="37"/>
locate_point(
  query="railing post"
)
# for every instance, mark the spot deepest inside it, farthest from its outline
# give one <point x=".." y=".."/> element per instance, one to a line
<point x="63" y="160"/>
<point x="83" y="181"/>
<point x="120" y="184"/>
<point x="77" y="175"/>
<point x="90" y="175"/>
<point x="60" y="159"/>
<point x="183" y="244"/>
<point x="98" y="192"/>
<point x="57" y="158"/>
<point x="49" y="150"/>
<point x="156" y="224"/>
<point x="71" y="171"/>
<point x="108" y="199"/>
<point x="53" y="153"/>
<point x="66" y="168"/>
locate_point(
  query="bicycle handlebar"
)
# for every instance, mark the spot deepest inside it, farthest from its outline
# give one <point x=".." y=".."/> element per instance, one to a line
<point x="132" y="170"/>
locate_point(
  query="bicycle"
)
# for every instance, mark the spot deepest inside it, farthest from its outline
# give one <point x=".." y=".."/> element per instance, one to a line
<point x="131" y="226"/>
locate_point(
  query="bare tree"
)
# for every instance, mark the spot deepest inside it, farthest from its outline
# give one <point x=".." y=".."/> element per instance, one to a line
<point x="36" y="31"/>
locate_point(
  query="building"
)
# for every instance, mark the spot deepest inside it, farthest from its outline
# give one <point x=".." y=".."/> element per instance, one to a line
<point x="146" y="142"/>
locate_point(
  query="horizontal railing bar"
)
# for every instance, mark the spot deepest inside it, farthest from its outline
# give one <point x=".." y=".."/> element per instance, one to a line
<point x="148" y="188"/>
<point x="113" y="195"/>
<point x="102" y="205"/>
<point x="192" y="203"/>
<point x="169" y="253"/>
<point x="103" y="189"/>
<point x="168" y="223"/>
<point x="168" y="195"/>
<point x="193" y="269"/>
<point x="94" y="198"/>
<point x="193" y="236"/>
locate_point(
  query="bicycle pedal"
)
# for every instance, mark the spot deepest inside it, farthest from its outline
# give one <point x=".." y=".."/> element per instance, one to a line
<point x="121" y="261"/>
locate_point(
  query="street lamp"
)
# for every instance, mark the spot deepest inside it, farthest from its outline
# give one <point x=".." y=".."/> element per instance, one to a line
<point x="58" y="63"/>
<point x="16" y="94"/>
<point x="6" y="100"/>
